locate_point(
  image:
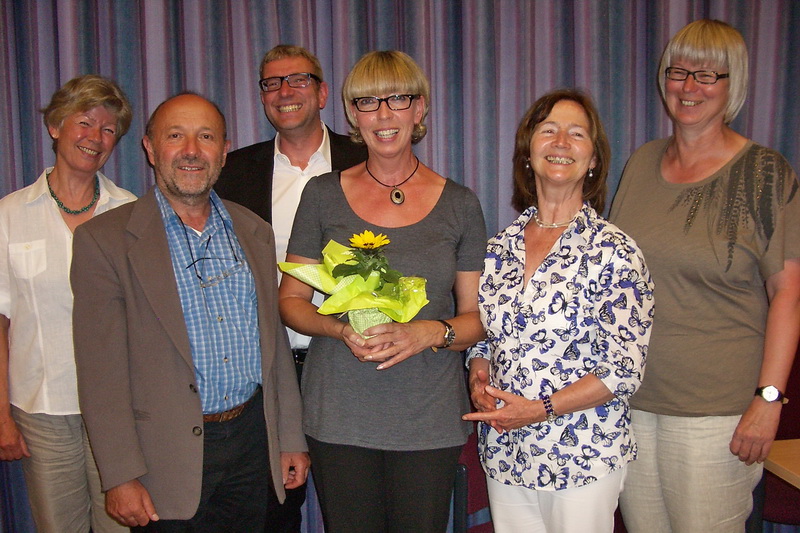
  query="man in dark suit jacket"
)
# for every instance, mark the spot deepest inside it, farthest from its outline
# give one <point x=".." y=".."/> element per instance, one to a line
<point x="270" y="181"/>
<point x="185" y="378"/>
<point x="294" y="112"/>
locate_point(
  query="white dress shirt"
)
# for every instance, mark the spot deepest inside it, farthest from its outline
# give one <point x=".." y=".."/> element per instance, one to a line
<point x="288" y="182"/>
<point x="35" y="294"/>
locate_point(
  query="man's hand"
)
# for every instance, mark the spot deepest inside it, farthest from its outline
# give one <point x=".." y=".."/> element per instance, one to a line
<point x="294" y="467"/>
<point x="130" y="504"/>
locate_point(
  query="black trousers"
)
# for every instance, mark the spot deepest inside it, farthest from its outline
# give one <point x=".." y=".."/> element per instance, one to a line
<point x="286" y="517"/>
<point x="375" y="491"/>
<point x="237" y="487"/>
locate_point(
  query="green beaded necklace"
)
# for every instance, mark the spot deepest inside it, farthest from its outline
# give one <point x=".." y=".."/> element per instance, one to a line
<point x="66" y="209"/>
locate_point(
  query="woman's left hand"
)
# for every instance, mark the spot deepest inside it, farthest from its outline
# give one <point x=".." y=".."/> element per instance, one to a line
<point x="756" y="430"/>
<point x="400" y="341"/>
<point x="515" y="413"/>
<point x="758" y="426"/>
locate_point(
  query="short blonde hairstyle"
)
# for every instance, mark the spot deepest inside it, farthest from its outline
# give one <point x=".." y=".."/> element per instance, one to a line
<point x="285" y="51"/>
<point x="385" y="72"/>
<point x="84" y="93"/>
<point x="711" y="42"/>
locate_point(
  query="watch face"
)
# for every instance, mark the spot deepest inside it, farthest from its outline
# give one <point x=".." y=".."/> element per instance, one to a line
<point x="770" y="393"/>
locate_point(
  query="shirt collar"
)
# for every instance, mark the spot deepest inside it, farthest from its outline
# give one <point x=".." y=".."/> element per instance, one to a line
<point x="108" y="190"/>
<point x="585" y="218"/>
<point x="169" y="216"/>
<point x="324" y="149"/>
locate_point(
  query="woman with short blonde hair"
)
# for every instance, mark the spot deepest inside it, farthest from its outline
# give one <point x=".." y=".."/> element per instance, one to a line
<point x="382" y="411"/>
<point x="718" y="218"/>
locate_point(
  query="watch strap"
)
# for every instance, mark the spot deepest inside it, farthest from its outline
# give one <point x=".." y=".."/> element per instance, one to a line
<point x="769" y="390"/>
<point x="449" y="334"/>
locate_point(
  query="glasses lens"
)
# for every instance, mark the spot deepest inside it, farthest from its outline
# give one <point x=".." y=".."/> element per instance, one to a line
<point x="207" y="281"/>
<point x="367" y="104"/>
<point x="271" y="84"/>
<point x="398" y="102"/>
<point x="298" y="80"/>
<point x="677" y="74"/>
<point x="705" y="76"/>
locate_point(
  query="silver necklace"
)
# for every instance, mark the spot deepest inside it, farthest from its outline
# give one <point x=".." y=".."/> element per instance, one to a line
<point x="396" y="195"/>
<point x="550" y="225"/>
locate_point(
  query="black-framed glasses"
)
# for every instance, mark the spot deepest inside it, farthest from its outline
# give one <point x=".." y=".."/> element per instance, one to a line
<point x="210" y="281"/>
<point x="298" y="80"/>
<point x="395" y="102"/>
<point x="706" y="77"/>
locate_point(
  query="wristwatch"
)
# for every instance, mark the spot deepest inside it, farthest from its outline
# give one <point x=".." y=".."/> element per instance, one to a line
<point x="449" y="335"/>
<point x="548" y="408"/>
<point x="771" y="394"/>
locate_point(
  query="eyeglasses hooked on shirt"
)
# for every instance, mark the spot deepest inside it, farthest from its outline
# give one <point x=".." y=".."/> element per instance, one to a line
<point x="235" y="263"/>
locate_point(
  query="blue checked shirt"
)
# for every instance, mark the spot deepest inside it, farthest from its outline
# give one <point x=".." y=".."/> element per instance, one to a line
<point x="220" y="308"/>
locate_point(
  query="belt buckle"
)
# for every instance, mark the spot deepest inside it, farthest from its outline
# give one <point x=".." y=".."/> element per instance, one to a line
<point x="230" y="414"/>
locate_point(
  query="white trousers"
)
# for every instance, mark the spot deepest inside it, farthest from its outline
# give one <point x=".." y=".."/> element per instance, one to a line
<point x="587" y="509"/>
<point x="61" y="475"/>
<point x="686" y="479"/>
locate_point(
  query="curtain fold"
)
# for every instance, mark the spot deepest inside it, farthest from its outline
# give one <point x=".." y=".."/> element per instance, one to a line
<point x="488" y="60"/>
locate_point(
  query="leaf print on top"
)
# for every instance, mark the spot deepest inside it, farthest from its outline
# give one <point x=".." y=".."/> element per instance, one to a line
<point x="742" y="201"/>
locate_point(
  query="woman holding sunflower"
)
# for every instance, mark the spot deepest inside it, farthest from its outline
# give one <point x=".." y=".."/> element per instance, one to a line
<point x="382" y="411"/>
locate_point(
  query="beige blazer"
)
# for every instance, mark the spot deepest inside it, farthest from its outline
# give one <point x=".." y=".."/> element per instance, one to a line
<point x="136" y="383"/>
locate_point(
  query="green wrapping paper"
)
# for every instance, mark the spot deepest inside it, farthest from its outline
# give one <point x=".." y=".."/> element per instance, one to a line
<point x="365" y="300"/>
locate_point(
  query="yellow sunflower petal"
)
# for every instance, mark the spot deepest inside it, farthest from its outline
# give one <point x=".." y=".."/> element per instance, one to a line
<point x="368" y="240"/>
<point x="381" y="240"/>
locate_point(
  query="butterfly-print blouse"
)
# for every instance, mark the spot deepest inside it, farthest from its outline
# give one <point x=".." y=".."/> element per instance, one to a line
<point x="587" y="309"/>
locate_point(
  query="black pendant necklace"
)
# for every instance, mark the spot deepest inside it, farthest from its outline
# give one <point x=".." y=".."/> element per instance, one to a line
<point x="66" y="209"/>
<point x="396" y="195"/>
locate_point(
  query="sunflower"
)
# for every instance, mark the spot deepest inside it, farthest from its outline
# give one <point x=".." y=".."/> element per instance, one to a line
<point x="368" y="240"/>
<point x="368" y="257"/>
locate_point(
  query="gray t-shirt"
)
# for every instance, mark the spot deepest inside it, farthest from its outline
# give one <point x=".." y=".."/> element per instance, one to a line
<point x="416" y="404"/>
<point x="710" y="246"/>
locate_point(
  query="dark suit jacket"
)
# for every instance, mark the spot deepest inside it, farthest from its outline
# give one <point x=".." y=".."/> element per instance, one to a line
<point x="246" y="177"/>
<point x="136" y="381"/>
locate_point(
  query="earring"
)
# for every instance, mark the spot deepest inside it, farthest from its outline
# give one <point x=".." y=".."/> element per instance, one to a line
<point x="528" y="164"/>
<point x="591" y="173"/>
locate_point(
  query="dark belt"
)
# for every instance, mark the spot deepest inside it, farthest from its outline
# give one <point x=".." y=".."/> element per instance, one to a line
<point x="299" y="355"/>
<point x="230" y="414"/>
<point x="299" y="359"/>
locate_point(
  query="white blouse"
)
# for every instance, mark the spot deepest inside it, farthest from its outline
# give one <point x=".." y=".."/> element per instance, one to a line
<point x="35" y="294"/>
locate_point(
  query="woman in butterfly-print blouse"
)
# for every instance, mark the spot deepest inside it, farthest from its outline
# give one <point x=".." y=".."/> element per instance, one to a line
<point x="567" y="303"/>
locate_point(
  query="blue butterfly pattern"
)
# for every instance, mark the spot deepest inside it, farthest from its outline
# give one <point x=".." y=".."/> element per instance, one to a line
<point x="587" y="309"/>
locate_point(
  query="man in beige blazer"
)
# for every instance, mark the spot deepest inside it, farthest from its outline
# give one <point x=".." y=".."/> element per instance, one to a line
<point x="177" y="338"/>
